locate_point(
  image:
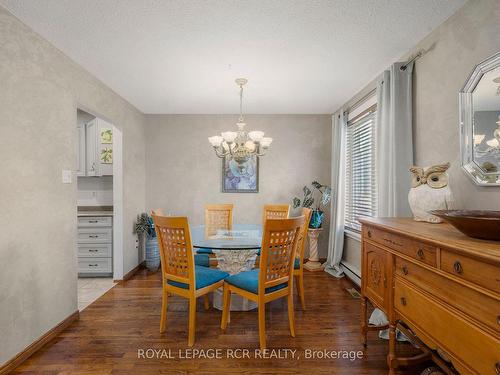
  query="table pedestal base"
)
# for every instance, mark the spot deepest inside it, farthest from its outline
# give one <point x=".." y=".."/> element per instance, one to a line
<point x="314" y="266"/>
<point x="233" y="262"/>
<point x="238" y="303"/>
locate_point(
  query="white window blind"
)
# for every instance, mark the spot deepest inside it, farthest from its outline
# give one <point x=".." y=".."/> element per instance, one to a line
<point x="360" y="168"/>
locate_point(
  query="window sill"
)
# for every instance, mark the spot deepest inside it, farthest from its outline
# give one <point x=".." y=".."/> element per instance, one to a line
<point x="352" y="234"/>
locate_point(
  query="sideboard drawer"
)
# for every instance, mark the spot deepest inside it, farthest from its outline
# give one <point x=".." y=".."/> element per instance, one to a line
<point x="92" y="251"/>
<point x="95" y="235"/>
<point x="95" y="221"/>
<point x="480" y="273"/>
<point x="478" y="305"/>
<point x="420" y="251"/>
<point x="456" y="336"/>
<point x="94" y="265"/>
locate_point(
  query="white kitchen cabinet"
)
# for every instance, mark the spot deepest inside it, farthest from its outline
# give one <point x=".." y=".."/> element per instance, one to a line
<point x="95" y="245"/>
<point x="97" y="153"/>
<point x="80" y="155"/>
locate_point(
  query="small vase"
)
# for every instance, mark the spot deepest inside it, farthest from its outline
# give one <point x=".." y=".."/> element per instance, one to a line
<point x="316" y="219"/>
<point x="152" y="254"/>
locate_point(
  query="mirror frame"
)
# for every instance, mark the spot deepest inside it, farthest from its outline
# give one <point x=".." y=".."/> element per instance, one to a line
<point x="467" y="125"/>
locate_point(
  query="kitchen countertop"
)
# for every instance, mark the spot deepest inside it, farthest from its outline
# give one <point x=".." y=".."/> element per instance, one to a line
<point x="95" y="211"/>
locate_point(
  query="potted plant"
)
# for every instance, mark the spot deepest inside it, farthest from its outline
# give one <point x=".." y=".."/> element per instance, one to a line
<point x="325" y="195"/>
<point x="144" y="227"/>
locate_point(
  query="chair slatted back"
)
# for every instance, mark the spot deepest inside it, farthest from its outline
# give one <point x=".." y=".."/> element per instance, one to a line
<point x="176" y="251"/>
<point x="275" y="211"/>
<point x="279" y="241"/>
<point x="301" y="242"/>
<point x="218" y="216"/>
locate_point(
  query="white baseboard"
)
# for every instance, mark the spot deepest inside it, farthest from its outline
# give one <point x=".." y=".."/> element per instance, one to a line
<point x="352" y="272"/>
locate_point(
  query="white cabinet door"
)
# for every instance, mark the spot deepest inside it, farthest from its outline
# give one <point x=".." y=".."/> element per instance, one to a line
<point x="105" y="148"/>
<point x="92" y="163"/>
<point x="80" y="155"/>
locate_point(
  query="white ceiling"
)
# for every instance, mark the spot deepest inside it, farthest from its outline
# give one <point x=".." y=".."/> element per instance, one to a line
<point x="182" y="56"/>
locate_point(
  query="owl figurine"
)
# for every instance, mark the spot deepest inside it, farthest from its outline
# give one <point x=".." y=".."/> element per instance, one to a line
<point x="430" y="191"/>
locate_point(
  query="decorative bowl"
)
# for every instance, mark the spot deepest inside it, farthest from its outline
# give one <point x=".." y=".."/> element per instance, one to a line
<point x="473" y="223"/>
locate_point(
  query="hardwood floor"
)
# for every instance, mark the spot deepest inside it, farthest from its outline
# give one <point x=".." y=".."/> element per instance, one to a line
<point x="112" y="330"/>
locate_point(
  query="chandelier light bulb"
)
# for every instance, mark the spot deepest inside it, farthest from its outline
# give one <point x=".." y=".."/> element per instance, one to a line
<point x="250" y="145"/>
<point x="266" y="142"/>
<point x="229" y="137"/>
<point x="216" y="140"/>
<point x="256" y="135"/>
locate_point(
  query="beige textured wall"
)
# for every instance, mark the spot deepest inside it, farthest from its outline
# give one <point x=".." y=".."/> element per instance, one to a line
<point x="183" y="172"/>
<point x="39" y="89"/>
<point x="467" y="38"/>
<point x="464" y="40"/>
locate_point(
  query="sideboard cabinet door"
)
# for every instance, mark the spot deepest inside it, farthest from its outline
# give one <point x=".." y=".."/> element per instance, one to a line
<point x="375" y="272"/>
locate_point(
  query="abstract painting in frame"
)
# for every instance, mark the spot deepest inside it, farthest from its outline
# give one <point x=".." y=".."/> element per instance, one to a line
<point x="240" y="178"/>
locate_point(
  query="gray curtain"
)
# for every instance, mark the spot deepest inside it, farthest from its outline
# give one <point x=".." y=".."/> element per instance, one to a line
<point x="394" y="149"/>
<point x="394" y="141"/>
<point x="336" y="240"/>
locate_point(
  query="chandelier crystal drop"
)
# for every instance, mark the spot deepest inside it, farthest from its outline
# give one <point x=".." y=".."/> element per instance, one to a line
<point x="240" y="145"/>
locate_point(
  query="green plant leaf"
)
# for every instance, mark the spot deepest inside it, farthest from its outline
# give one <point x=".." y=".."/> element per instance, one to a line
<point x="296" y="202"/>
<point x="327" y="196"/>
<point x="308" y="202"/>
<point x="306" y="191"/>
<point x="317" y="185"/>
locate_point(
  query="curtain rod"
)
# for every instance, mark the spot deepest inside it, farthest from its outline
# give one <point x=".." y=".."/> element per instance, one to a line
<point x="414" y="58"/>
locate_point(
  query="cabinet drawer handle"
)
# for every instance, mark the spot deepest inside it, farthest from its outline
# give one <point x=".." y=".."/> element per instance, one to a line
<point x="457" y="266"/>
<point x="405" y="270"/>
<point x="93" y="265"/>
<point x="93" y="250"/>
<point x="392" y="242"/>
<point x="93" y="236"/>
<point x="93" y="221"/>
<point x="420" y="253"/>
<point x="369" y="234"/>
<point x="498" y="319"/>
<point x="497" y="367"/>
<point x="403" y="301"/>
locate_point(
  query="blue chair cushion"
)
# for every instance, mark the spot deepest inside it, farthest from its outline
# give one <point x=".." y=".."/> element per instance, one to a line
<point x="202" y="260"/>
<point x="204" y="277"/>
<point x="249" y="281"/>
<point x="296" y="263"/>
<point x="204" y="251"/>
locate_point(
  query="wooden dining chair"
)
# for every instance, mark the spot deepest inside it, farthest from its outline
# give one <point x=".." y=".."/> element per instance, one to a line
<point x="275" y="211"/>
<point x="273" y="279"/>
<point x="180" y="276"/>
<point x="218" y="216"/>
<point x="298" y="265"/>
<point x="199" y="259"/>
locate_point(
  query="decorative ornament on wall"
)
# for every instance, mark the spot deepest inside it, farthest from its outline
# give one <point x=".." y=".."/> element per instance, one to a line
<point x="430" y="191"/>
<point x="240" y="177"/>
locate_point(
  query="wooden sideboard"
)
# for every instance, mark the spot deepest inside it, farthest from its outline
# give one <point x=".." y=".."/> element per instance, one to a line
<point x="437" y="285"/>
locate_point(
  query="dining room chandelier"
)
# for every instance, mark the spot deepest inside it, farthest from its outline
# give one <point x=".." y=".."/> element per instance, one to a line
<point x="240" y="145"/>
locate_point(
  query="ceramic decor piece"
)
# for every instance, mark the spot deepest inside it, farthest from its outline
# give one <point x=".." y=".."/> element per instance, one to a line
<point x="430" y="191"/>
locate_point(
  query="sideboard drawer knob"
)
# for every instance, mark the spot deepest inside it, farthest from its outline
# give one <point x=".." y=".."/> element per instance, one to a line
<point x="457" y="266"/>
<point x="497" y="367"/>
<point x="420" y="253"/>
<point x="369" y="234"/>
<point x="403" y="301"/>
<point x="405" y="270"/>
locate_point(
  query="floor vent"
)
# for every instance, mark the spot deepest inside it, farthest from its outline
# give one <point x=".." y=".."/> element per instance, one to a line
<point x="354" y="293"/>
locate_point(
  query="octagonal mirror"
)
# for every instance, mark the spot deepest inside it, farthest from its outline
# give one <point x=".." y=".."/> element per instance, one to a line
<point x="480" y="123"/>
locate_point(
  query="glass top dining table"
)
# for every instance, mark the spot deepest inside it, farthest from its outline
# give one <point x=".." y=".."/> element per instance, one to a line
<point x="241" y="237"/>
<point x="236" y="251"/>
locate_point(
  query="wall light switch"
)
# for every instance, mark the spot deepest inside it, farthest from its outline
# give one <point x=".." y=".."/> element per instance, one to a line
<point x="66" y="176"/>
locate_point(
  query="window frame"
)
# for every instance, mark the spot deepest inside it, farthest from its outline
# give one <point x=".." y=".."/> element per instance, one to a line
<point x="367" y="108"/>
